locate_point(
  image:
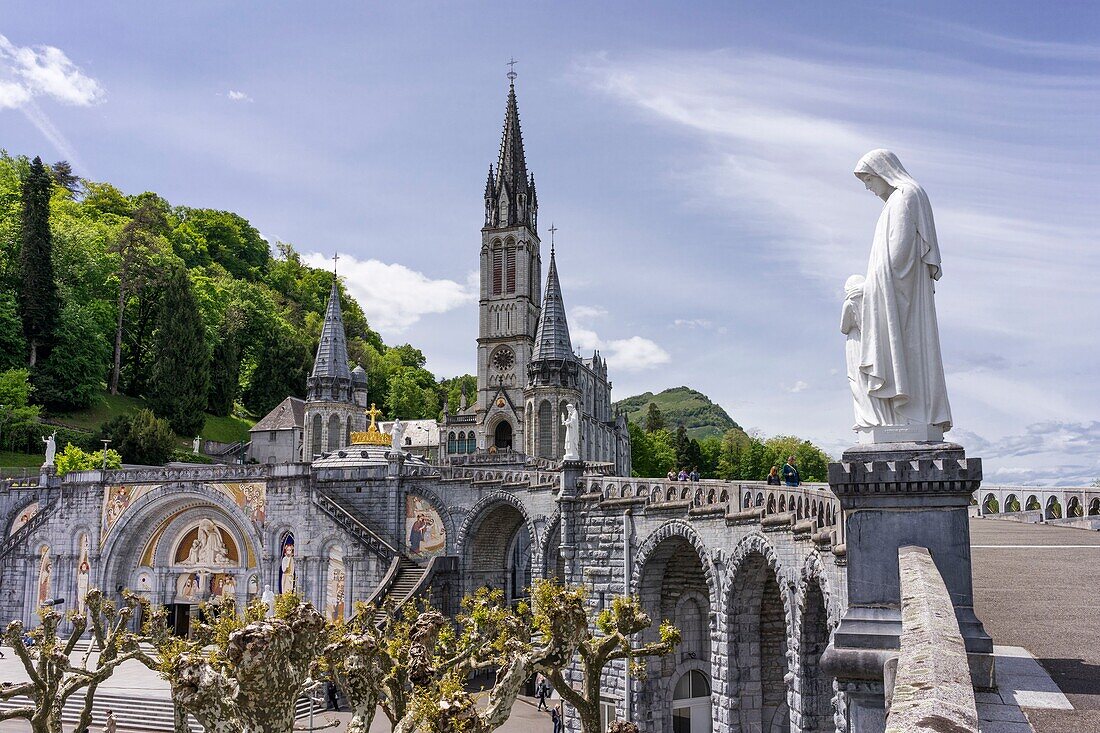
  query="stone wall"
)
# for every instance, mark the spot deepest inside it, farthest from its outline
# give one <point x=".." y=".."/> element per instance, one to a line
<point x="932" y="689"/>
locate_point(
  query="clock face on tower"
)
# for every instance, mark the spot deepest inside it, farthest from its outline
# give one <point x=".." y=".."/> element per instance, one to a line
<point x="504" y="359"/>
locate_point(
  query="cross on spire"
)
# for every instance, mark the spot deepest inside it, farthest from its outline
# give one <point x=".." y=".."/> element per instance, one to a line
<point x="512" y="69"/>
<point x="335" y="258"/>
<point x="552" y="230"/>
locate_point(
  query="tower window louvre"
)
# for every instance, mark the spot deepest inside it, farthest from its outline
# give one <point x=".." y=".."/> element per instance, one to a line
<point x="511" y="270"/>
<point x="498" y="262"/>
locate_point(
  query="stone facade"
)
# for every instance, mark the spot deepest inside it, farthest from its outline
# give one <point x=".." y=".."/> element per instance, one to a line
<point x="752" y="590"/>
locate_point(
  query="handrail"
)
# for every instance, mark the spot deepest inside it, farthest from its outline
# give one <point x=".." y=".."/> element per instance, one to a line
<point x="372" y="541"/>
<point x="21" y="534"/>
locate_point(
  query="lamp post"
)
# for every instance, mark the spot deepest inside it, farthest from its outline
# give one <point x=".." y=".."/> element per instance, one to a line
<point x="105" y="444"/>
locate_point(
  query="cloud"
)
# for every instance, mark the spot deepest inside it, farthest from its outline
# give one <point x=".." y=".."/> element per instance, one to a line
<point x="393" y="296"/>
<point x="797" y="387"/>
<point x="632" y="354"/>
<point x="1052" y="452"/>
<point x="236" y="96"/>
<point x="693" y="323"/>
<point x="46" y="71"/>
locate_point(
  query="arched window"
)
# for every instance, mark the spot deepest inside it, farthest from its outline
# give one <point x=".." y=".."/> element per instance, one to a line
<point x="691" y="709"/>
<point x="546" y="430"/>
<point x="452" y="443"/>
<point x="334" y="432"/>
<point x="471" y="442"/>
<point x="347" y="433"/>
<point x="315" y="438"/>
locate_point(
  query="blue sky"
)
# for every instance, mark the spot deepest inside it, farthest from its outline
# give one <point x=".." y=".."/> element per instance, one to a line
<point x="696" y="159"/>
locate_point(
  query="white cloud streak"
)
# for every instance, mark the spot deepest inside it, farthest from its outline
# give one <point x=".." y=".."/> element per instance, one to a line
<point x="237" y="96"/>
<point x="393" y="296"/>
<point x="45" y="72"/>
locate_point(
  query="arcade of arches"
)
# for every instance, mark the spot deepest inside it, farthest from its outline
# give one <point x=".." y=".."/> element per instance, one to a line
<point x="499" y="551"/>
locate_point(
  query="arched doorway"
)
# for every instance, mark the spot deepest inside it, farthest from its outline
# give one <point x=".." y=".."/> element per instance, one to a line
<point x="673" y="585"/>
<point x="691" y="711"/>
<point x="502" y="435"/>
<point x="759" y="648"/>
<point x="498" y="550"/>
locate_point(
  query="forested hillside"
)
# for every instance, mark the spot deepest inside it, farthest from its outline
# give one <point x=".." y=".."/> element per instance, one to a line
<point x="188" y="311"/>
<point x="681" y="406"/>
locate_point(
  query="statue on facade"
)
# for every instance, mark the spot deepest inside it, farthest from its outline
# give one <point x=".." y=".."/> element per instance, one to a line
<point x="397" y="436"/>
<point x="269" y="600"/>
<point x="900" y="366"/>
<point x="51" y="448"/>
<point x="208" y="548"/>
<point x="196" y="444"/>
<point x="572" y="422"/>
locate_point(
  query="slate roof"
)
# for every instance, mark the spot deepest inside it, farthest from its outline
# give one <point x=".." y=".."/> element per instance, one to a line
<point x="552" y="337"/>
<point x="332" y="351"/>
<point x="290" y="413"/>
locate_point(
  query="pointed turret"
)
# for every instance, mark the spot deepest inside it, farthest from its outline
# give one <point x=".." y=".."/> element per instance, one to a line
<point x="552" y="337"/>
<point x="331" y="376"/>
<point x="509" y="195"/>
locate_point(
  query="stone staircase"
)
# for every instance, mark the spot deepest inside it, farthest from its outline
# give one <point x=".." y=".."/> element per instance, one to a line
<point x="134" y="713"/>
<point x="20" y="535"/>
<point x="403" y="581"/>
<point x="356" y="527"/>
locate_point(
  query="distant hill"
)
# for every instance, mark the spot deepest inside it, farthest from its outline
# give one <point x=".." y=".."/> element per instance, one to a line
<point x="693" y="409"/>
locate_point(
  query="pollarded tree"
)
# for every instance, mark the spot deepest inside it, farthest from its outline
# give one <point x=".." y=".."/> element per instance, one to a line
<point x="54" y="678"/>
<point x="556" y="611"/>
<point x="242" y="673"/>
<point x="181" y="368"/>
<point x="38" y="300"/>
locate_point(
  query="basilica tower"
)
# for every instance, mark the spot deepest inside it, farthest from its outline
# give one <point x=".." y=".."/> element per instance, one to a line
<point x="511" y="265"/>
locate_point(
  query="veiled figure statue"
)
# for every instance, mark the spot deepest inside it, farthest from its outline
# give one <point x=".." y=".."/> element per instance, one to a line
<point x="899" y="337"/>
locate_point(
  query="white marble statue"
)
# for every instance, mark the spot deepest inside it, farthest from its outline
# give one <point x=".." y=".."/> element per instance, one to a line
<point x="572" y="422"/>
<point x="51" y="448"/>
<point x="899" y="337"/>
<point x="195" y="444"/>
<point x="208" y="548"/>
<point x="397" y="436"/>
<point x="269" y="600"/>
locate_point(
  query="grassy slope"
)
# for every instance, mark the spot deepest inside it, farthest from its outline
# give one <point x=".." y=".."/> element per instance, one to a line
<point x="699" y="415"/>
<point x="222" y="429"/>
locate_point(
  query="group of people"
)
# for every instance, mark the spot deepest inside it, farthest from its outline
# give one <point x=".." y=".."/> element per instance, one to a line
<point x="683" y="475"/>
<point x="542" y="693"/>
<point x="789" y="474"/>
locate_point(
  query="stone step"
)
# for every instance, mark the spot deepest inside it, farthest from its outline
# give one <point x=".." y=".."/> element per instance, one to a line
<point x="135" y="713"/>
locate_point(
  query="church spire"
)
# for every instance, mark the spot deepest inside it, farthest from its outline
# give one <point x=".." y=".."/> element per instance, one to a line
<point x="331" y="377"/>
<point x="510" y="193"/>
<point x="552" y="338"/>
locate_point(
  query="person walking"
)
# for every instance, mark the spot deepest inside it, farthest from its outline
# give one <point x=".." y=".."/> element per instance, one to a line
<point x="790" y="473"/>
<point x="683" y="476"/>
<point x="671" y="476"/>
<point x="555" y="718"/>
<point x="773" y="477"/>
<point x="694" y="476"/>
<point x="330" y="693"/>
<point x="110" y="725"/>
<point x="540" y="692"/>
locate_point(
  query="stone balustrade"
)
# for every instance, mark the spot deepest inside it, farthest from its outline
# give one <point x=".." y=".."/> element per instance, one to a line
<point x="932" y="688"/>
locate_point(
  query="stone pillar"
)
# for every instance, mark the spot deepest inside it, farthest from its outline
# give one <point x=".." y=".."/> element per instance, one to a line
<point x="893" y="495"/>
<point x="571" y="472"/>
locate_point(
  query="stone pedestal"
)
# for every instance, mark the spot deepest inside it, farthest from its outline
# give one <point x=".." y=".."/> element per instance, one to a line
<point x="571" y="473"/>
<point x="892" y="495"/>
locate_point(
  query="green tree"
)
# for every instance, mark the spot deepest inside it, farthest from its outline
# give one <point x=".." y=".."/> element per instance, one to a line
<point x="225" y="375"/>
<point x="688" y="453"/>
<point x="63" y="176"/>
<point x="71" y="376"/>
<point x="38" y="300"/>
<point x="408" y="399"/>
<point x="812" y="462"/>
<point x="181" y="366"/>
<point x="73" y="458"/>
<point x="654" y="420"/>
<point x="140" y="437"/>
<point x="135" y="246"/>
<point x="279" y="369"/>
<point x="18" y="417"/>
<point x="225" y="238"/>
<point x="13" y="347"/>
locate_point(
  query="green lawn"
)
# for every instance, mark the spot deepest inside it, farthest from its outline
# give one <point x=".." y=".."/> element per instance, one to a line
<point x="226" y="429"/>
<point x="19" y="460"/>
<point x="107" y="407"/>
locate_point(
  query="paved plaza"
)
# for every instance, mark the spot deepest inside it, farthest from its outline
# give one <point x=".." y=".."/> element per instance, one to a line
<point x="1034" y="588"/>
